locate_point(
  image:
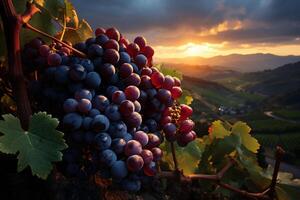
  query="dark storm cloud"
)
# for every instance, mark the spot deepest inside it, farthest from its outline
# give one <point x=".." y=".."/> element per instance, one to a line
<point x="278" y="19"/>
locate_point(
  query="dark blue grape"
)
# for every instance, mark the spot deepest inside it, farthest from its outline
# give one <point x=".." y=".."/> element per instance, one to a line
<point x="117" y="129"/>
<point x="100" y="123"/>
<point x="118" y="145"/>
<point x="103" y="141"/>
<point x="108" y="157"/>
<point x="119" y="170"/>
<point x="100" y="102"/>
<point x="72" y="121"/>
<point x="77" y="72"/>
<point x="93" y="80"/>
<point x="112" y="112"/>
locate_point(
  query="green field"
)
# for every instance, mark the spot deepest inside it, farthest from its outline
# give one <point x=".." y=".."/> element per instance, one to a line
<point x="288" y="114"/>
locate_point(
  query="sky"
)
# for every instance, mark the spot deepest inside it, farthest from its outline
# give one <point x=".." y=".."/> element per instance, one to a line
<point x="206" y="28"/>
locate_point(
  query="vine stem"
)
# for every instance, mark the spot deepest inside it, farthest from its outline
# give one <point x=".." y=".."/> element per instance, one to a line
<point x="174" y="157"/>
<point x="267" y="194"/>
<point x="75" y="51"/>
<point x="12" y="24"/>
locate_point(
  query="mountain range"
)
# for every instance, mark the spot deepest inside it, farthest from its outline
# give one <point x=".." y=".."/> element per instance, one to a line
<point x="236" y="62"/>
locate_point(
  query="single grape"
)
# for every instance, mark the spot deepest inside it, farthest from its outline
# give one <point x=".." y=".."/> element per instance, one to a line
<point x="133" y="49"/>
<point x="108" y="157"/>
<point x="93" y="80"/>
<point x="119" y="169"/>
<point x="103" y="141"/>
<point x="157" y="154"/>
<point x="133" y="147"/>
<point x="83" y="94"/>
<point x="165" y="119"/>
<point x="163" y="95"/>
<point x="127" y="137"/>
<point x="111" y="44"/>
<point x="100" y="102"/>
<point x="54" y="59"/>
<point x="90" y="41"/>
<point x="184" y="139"/>
<point x="186" y="126"/>
<point x="134" y="120"/>
<point x="124" y="41"/>
<point x="99" y="31"/>
<point x="147" y="156"/>
<point x="125" y="70"/>
<point x="186" y="111"/>
<point x="146" y="71"/>
<point x="132" y="93"/>
<point x="118" y="145"/>
<point x="95" y="50"/>
<point x="111" y="56"/>
<point x="127" y="108"/>
<point x="77" y="72"/>
<point x="142" y="137"/>
<point x="141" y="61"/>
<point x="106" y="70"/>
<point x="117" y="129"/>
<point x="152" y="125"/>
<point x="36" y="43"/>
<point x="100" y="123"/>
<point x="70" y="105"/>
<point x="135" y="163"/>
<point x="170" y="132"/>
<point x="80" y="46"/>
<point x="148" y="51"/>
<point x="72" y="121"/>
<point x="101" y="39"/>
<point x="154" y="141"/>
<point x="118" y="97"/>
<point x="168" y="83"/>
<point x="112" y="112"/>
<point x="110" y="90"/>
<point x="157" y="79"/>
<point x="87" y="64"/>
<point x="176" y="92"/>
<point x="133" y="79"/>
<point x="113" y="33"/>
<point x="44" y="50"/>
<point x="124" y="58"/>
<point x="93" y="112"/>
<point x="84" y="105"/>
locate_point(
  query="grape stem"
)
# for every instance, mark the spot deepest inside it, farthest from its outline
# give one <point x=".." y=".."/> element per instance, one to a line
<point x="267" y="194"/>
<point x="75" y="51"/>
<point x="174" y="157"/>
<point x="12" y="24"/>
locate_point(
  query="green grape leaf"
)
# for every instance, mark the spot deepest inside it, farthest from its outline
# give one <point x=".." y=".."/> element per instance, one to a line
<point x="83" y="32"/>
<point x="187" y="157"/>
<point x="186" y="98"/>
<point x="218" y="130"/>
<point x="71" y="15"/>
<point x="243" y="130"/>
<point x="169" y="71"/>
<point x="38" y="147"/>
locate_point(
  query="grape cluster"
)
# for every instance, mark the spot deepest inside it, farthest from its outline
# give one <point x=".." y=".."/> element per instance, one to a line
<point x="113" y="106"/>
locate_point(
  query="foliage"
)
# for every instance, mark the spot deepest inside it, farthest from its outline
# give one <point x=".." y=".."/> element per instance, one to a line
<point x="38" y="147"/>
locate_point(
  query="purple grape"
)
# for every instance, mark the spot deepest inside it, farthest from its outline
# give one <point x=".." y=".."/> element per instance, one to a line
<point x="135" y="163"/>
<point x="111" y="56"/>
<point x="163" y="95"/>
<point x="134" y="120"/>
<point x="133" y="147"/>
<point x="54" y="59"/>
<point x="168" y="83"/>
<point x="132" y="93"/>
<point x="118" y="145"/>
<point x="142" y="137"/>
<point x="170" y="131"/>
<point x="146" y="82"/>
<point x="137" y="106"/>
<point x="125" y="70"/>
<point x="154" y="141"/>
<point x="132" y="79"/>
<point x="127" y="108"/>
<point x="147" y="156"/>
<point x="157" y="154"/>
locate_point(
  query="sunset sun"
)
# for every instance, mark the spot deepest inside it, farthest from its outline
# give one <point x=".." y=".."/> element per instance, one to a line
<point x="192" y="49"/>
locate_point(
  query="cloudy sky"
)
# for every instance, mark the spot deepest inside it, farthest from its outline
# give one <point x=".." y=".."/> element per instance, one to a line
<point x="180" y="28"/>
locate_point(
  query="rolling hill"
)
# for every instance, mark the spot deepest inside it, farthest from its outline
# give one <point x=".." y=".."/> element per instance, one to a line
<point x="237" y="62"/>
